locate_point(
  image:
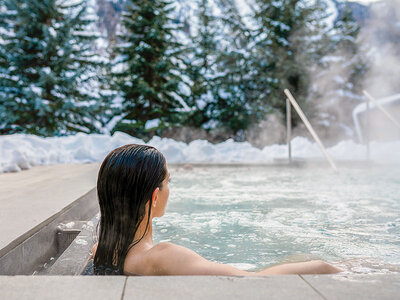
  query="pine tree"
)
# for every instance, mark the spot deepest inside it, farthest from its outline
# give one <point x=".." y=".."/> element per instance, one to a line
<point x="342" y="70"/>
<point x="148" y="73"/>
<point x="233" y="87"/>
<point x="353" y="64"/>
<point x="6" y="114"/>
<point x="50" y="85"/>
<point x="200" y="64"/>
<point x="284" y="50"/>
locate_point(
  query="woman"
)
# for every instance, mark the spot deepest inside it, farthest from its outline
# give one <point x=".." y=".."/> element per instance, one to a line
<point x="133" y="189"/>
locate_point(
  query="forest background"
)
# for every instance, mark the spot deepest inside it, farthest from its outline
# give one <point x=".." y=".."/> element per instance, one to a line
<point x="201" y="69"/>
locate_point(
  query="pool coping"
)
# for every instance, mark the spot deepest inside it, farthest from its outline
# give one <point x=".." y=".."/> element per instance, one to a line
<point x="34" y="248"/>
<point x="74" y="259"/>
<point x="202" y="287"/>
<point x="32" y="205"/>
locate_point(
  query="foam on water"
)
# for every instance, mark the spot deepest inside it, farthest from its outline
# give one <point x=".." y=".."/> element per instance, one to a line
<point x="262" y="216"/>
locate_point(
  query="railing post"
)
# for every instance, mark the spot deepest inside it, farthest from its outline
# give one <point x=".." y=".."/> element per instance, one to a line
<point x="385" y="112"/>
<point x="289" y="128"/>
<point x="310" y="129"/>
<point x="367" y="137"/>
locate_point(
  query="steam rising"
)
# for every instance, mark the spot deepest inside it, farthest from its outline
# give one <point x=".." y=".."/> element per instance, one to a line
<point x="335" y="93"/>
<point x="382" y="36"/>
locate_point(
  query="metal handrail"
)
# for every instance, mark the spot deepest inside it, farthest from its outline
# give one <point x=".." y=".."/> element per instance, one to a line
<point x="310" y="128"/>
<point x="385" y="112"/>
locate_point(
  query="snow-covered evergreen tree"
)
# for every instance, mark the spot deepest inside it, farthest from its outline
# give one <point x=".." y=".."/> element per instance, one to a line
<point x="233" y="86"/>
<point x="200" y="64"/>
<point x="109" y="105"/>
<point x="353" y="62"/>
<point x="148" y="69"/>
<point x="6" y="82"/>
<point x="50" y="86"/>
<point x="338" y="81"/>
<point x="286" y="42"/>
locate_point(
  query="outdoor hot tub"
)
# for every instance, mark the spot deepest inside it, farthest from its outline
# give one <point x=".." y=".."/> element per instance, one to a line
<point x="253" y="216"/>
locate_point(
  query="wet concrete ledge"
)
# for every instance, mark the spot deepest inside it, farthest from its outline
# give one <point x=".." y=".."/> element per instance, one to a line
<point x="33" y="203"/>
<point x="75" y="259"/>
<point x="380" y="286"/>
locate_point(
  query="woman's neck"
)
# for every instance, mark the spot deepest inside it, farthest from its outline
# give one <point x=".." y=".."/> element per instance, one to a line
<point x="146" y="234"/>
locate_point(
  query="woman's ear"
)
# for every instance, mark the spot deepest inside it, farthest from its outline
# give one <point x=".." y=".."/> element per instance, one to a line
<point x="154" y="197"/>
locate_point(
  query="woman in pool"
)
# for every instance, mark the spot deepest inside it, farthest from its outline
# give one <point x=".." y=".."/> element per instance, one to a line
<point x="132" y="189"/>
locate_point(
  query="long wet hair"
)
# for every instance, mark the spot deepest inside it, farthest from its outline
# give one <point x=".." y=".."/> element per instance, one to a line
<point x="127" y="179"/>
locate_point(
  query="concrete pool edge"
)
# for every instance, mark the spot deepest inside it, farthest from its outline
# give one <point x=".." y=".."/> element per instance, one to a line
<point x="379" y="286"/>
<point x="33" y="203"/>
<point x="74" y="260"/>
<point x="40" y="243"/>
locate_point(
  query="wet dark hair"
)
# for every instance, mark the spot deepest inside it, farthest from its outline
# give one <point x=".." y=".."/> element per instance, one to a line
<point x="127" y="179"/>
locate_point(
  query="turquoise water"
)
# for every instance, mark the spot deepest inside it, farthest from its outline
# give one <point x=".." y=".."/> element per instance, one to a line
<point x="253" y="217"/>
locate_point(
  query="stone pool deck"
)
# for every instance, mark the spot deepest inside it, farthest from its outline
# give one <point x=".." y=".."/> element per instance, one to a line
<point x="29" y="199"/>
<point x="33" y="202"/>
<point x="201" y="287"/>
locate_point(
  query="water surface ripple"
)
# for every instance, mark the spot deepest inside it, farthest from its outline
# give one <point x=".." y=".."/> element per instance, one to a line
<point x="252" y="217"/>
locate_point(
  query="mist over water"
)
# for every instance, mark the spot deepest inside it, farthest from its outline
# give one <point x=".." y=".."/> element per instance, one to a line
<point x="334" y="93"/>
<point x="381" y="35"/>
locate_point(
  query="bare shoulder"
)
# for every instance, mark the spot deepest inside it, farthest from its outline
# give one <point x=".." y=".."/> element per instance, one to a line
<point x="163" y="255"/>
<point x="169" y="248"/>
<point x="172" y="259"/>
<point x="149" y="262"/>
<point x="163" y="246"/>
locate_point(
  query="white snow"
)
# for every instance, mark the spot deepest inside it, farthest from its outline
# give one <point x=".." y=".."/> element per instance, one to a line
<point x="21" y="151"/>
<point x="152" y="124"/>
<point x="52" y="32"/>
<point x="46" y="70"/>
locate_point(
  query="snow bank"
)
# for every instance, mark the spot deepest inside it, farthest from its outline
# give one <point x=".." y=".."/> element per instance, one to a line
<point x="21" y="151"/>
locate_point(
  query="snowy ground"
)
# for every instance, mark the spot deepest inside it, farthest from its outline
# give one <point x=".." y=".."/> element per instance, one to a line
<point x="21" y="151"/>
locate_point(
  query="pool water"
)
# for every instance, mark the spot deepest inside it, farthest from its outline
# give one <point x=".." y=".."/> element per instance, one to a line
<point x="253" y="216"/>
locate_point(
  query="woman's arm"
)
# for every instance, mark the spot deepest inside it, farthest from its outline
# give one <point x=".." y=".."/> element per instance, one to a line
<point x="307" y="267"/>
<point x="170" y="259"/>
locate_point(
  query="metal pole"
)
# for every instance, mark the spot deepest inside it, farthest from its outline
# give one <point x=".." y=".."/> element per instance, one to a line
<point x="289" y="128"/>
<point x="310" y="129"/>
<point x="390" y="117"/>
<point x="367" y="136"/>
